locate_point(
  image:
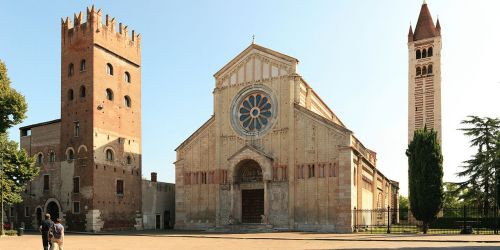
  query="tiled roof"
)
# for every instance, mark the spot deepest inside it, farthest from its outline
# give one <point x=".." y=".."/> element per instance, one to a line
<point x="425" y="26"/>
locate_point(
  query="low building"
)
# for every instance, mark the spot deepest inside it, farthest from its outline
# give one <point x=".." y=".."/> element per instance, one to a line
<point x="158" y="201"/>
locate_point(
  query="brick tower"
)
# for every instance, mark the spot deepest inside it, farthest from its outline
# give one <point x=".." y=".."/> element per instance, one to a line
<point x="100" y="122"/>
<point x="424" y="74"/>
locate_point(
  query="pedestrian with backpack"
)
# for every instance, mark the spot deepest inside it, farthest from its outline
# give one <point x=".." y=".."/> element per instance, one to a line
<point x="58" y="239"/>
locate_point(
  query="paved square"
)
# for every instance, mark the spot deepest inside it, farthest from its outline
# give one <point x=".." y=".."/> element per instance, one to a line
<point x="258" y="241"/>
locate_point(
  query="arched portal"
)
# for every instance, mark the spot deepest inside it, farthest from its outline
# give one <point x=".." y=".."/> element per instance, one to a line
<point x="249" y="177"/>
<point x="53" y="210"/>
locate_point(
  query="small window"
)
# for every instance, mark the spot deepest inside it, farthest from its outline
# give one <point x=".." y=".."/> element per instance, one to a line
<point x="418" y="54"/>
<point x="70" y="95"/>
<point x="429" y="69"/>
<point x="129" y="160"/>
<point x="46" y="182"/>
<point x="83" y="67"/>
<point x="76" y="185"/>
<point x="128" y="102"/>
<point x="119" y="187"/>
<point x="76" y="129"/>
<point x="82" y="91"/>
<point x="52" y="157"/>
<point x="109" y="69"/>
<point x="76" y="207"/>
<point x="109" y="94"/>
<point x="424" y="53"/>
<point x="71" y="155"/>
<point x="311" y="170"/>
<point x="109" y="154"/>
<point x="429" y="52"/>
<point x="39" y="159"/>
<point x="424" y="70"/>
<point x="71" y="69"/>
<point x="127" y="77"/>
<point x="419" y="71"/>
<point x="27" y="212"/>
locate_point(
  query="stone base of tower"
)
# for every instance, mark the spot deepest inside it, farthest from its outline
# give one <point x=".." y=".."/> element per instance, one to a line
<point x="94" y="222"/>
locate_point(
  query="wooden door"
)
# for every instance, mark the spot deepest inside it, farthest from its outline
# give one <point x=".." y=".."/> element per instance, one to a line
<point x="252" y="205"/>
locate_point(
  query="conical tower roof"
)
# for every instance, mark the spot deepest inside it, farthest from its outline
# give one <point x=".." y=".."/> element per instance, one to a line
<point x="425" y="26"/>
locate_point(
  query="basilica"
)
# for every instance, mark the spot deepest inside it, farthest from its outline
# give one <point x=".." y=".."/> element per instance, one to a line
<point x="274" y="154"/>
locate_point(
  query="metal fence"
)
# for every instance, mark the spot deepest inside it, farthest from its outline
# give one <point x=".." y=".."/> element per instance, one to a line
<point x="465" y="220"/>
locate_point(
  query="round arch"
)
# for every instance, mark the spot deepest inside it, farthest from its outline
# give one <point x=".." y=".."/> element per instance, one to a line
<point x="53" y="207"/>
<point x="247" y="171"/>
<point x="82" y="147"/>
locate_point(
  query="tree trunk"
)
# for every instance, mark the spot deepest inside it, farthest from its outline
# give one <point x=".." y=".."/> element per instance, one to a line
<point x="425" y="227"/>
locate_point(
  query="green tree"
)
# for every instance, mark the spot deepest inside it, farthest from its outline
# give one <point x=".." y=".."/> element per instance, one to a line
<point x="12" y="104"/>
<point x="425" y="173"/>
<point x="16" y="167"/>
<point x="403" y="202"/>
<point x="482" y="170"/>
<point x="403" y="207"/>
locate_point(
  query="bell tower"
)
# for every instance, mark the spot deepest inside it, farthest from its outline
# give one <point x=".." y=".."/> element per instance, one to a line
<point x="101" y="121"/>
<point x="424" y="74"/>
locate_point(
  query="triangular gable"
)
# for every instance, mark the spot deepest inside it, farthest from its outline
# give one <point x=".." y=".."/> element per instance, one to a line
<point x="254" y="64"/>
<point x="252" y="148"/>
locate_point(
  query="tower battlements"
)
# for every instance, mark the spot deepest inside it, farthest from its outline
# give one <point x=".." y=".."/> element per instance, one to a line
<point x="93" y="27"/>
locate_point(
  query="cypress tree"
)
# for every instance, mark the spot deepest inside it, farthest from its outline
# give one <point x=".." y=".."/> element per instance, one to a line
<point x="425" y="174"/>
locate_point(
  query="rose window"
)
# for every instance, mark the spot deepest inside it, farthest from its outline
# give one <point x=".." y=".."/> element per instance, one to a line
<point x="255" y="112"/>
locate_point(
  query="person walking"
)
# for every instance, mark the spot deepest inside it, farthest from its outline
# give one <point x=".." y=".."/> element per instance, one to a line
<point x="46" y="231"/>
<point x="58" y="239"/>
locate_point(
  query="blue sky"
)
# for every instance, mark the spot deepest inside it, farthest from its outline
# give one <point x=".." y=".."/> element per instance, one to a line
<point x="353" y="53"/>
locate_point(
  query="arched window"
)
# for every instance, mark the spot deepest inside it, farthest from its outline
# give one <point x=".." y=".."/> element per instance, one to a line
<point x="418" y="54"/>
<point x="429" y="69"/>
<point x="419" y="71"/>
<point x="39" y="159"/>
<point x="424" y="53"/>
<point x="82" y="65"/>
<point x="109" y="69"/>
<point x="129" y="160"/>
<point x="109" y="94"/>
<point x="429" y="52"/>
<point x="424" y="70"/>
<point x="52" y="157"/>
<point x="70" y="94"/>
<point x="127" y="77"/>
<point x="71" y="69"/>
<point x="109" y="154"/>
<point x="82" y="91"/>
<point x="70" y="155"/>
<point x="128" y="102"/>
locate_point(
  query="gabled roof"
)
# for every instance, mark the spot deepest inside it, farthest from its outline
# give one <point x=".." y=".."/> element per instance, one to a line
<point x="193" y="135"/>
<point x="257" y="47"/>
<point x="253" y="148"/>
<point x="425" y="26"/>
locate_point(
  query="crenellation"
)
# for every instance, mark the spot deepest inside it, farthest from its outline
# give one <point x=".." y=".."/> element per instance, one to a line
<point x="94" y="22"/>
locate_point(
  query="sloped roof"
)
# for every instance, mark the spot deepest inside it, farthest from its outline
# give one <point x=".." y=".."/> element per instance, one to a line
<point x="425" y="25"/>
<point x="248" y="50"/>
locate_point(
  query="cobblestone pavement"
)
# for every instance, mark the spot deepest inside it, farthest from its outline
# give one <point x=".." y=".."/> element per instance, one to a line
<point x="184" y="240"/>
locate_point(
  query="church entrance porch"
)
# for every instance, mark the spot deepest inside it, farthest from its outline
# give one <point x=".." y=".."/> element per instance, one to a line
<point x="252" y="205"/>
<point x="249" y="193"/>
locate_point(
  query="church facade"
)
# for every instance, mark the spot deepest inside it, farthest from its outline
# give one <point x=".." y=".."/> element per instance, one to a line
<point x="274" y="154"/>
